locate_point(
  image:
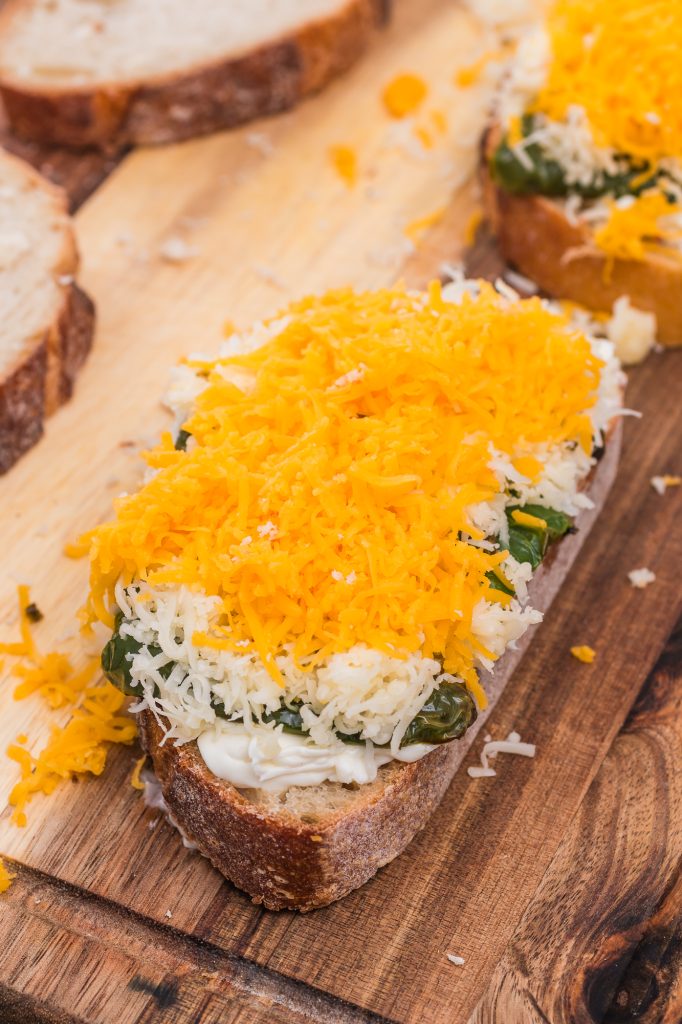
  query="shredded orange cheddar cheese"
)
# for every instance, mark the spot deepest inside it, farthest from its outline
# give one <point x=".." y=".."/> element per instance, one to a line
<point x="404" y="95"/>
<point x="526" y="519"/>
<point x="324" y="507"/>
<point x="620" y="61"/>
<point x="471" y="73"/>
<point x="82" y="744"/>
<point x="472" y="225"/>
<point x="416" y="228"/>
<point x="135" y="780"/>
<point x="584" y="653"/>
<point x="5" y="877"/>
<point x="345" y="161"/>
<point x="633" y="231"/>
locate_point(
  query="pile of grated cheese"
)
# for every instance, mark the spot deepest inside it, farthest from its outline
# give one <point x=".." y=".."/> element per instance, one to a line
<point x="620" y="61"/>
<point x="603" y="81"/>
<point x="322" y="502"/>
<point x="82" y="744"/>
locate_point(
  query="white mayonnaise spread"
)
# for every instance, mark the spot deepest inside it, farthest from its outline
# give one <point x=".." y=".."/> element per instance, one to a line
<point x="269" y="759"/>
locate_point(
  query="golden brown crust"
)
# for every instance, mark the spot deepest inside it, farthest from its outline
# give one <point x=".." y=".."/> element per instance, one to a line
<point x="43" y="375"/>
<point x="216" y="96"/>
<point x="536" y="237"/>
<point x="284" y="861"/>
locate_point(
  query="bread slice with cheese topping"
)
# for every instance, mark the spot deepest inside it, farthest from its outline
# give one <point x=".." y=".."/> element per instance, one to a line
<point x="367" y="503"/>
<point x="46" y="321"/>
<point x="309" y="846"/>
<point x="96" y="73"/>
<point x="583" y="165"/>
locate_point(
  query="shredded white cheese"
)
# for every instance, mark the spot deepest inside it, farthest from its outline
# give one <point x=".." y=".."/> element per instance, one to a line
<point x="512" y="745"/>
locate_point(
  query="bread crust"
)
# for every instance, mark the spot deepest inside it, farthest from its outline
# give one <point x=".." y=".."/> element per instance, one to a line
<point x="535" y="236"/>
<point x="43" y="375"/>
<point x="283" y="861"/>
<point x="214" y="96"/>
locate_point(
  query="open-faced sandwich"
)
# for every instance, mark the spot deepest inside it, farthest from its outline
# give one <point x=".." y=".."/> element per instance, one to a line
<point x="583" y="164"/>
<point x="309" y="593"/>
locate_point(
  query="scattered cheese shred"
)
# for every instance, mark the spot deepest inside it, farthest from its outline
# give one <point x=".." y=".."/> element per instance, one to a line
<point x="135" y="780"/>
<point x="345" y="162"/>
<point x="491" y="748"/>
<point x="5" y="877"/>
<point x="417" y="228"/>
<point x="472" y="225"/>
<point x="82" y="744"/>
<point x="636" y="228"/>
<point x="404" y="94"/>
<point x="363" y="439"/>
<point x="661" y="483"/>
<point x="471" y="73"/>
<point x="584" y="653"/>
<point x="458" y="961"/>
<point x="620" y="61"/>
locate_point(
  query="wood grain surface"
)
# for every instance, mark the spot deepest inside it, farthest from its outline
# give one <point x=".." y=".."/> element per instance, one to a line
<point x="558" y="880"/>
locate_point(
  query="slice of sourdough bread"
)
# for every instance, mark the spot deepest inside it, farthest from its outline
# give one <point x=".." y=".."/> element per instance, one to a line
<point x="46" y="321"/>
<point x="310" y="846"/>
<point x="536" y="237"/>
<point x="97" y="73"/>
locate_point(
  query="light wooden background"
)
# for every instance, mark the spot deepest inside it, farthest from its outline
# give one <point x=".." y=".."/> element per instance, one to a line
<point x="558" y="881"/>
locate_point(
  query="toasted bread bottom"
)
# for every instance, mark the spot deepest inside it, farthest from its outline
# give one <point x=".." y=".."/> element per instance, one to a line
<point x="312" y="845"/>
<point x="536" y="237"/>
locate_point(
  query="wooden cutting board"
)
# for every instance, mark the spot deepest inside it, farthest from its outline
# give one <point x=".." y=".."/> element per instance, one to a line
<point x="558" y="880"/>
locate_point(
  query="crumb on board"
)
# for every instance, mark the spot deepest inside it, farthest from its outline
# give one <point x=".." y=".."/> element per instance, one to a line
<point x="261" y="142"/>
<point x="176" y="250"/>
<point x="270" y="276"/>
<point x="33" y="612"/>
<point x="458" y="961"/>
<point x="641" y="578"/>
<point x="584" y="653"/>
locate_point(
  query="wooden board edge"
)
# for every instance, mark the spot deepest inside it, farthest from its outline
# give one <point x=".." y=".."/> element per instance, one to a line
<point x="142" y="968"/>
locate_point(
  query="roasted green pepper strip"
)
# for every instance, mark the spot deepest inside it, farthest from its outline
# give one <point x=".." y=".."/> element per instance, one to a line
<point x="539" y="174"/>
<point x="447" y="715"/>
<point x="527" y="544"/>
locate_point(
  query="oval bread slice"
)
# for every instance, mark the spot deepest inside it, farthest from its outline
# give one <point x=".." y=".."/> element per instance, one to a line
<point x="97" y="73"/>
<point x="46" y="321"/>
<point x="312" y="845"/>
<point x="536" y="237"/>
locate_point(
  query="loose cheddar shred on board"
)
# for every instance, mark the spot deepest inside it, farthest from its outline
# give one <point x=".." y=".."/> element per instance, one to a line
<point x="323" y="503"/>
<point x="77" y="747"/>
<point x="620" y="61"/>
<point x="584" y="653"/>
<point x="5" y="877"/>
<point x="404" y="94"/>
<point x="345" y="162"/>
